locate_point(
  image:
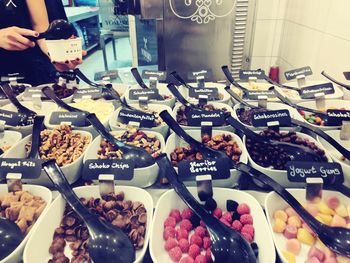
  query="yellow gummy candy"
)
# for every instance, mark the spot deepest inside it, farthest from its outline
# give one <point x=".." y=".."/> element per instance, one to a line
<point x="279" y="226"/>
<point x="305" y="237"/>
<point x="281" y="215"/>
<point x="324" y="209"/>
<point x="294" y="221"/>
<point x="341" y="211"/>
<point x="327" y="219"/>
<point x="289" y="256"/>
<point x="320" y="219"/>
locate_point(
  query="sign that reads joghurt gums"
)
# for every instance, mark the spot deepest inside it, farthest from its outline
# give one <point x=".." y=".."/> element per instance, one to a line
<point x="310" y="91"/>
<point x="75" y="118"/>
<point x="217" y="168"/>
<point x="255" y="94"/>
<point x="336" y="117"/>
<point x="292" y="74"/>
<point x="28" y="168"/>
<point x="152" y="94"/>
<point x="10" y="118"/>
<point x="246" y="74"/>
<point x="329" y="172"/>
<point x="196" y="117"/>
<point x="146" y="120"/>
<point x="160" y="75"/>
<point x="206" y="73"/>
<point x="93" y="93"/>
<point x="212" y="93"/>
<point x="121" y="169"/>
<point x="261" y="119"/>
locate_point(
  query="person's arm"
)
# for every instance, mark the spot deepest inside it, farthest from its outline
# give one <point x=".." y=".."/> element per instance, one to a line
<point x="14" y="38"/>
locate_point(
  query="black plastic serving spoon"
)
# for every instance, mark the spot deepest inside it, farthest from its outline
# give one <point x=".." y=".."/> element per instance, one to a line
<point x="34" y="148"/>
<point x="335" y="81"/>
<point x="229" y="77"/>
<point x="141" y="83"/>
<point x="58" y="29"/>
<point x="179" y="97"/>
<point x="107" y="243"/>
<point x="26" y="115"/>
<point x="181" y="80"/>
<point x="335" y="238"/>
<point x="227" y="245"/>
<point x="10" y="237"/>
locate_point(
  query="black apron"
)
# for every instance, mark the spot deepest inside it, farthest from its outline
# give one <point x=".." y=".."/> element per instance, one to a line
<point x="31" y="63"/>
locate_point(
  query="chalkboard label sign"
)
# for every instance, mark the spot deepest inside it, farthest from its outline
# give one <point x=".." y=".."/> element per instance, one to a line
<point x="10" y="118"/>
<point x="111" y="74"/>
<point x="206" y="73"/>
<point x="66" y="75"/>
<point x="146" y="120"/>
<point x="75" y="118"/>
<point x="159" y="75"/>
<point x="32" y="91"/>
<point x="121" y="169"/>
<point x="29" y="168"/>
<point x="261" y="119"/>
<point x="309" y="92"/>
<point x="212" y="93"/>
<point x="152" y="94"/>
<point x="336" y="117"/>
<point x="329" y="172"/>
<point x="217" y="168"/>
<point x="196" y="117"/>
<point x="93" y="93"/>
<point x="255" y="94"/>
<point x="246" y="74"/>
<point x="292" y="74"/>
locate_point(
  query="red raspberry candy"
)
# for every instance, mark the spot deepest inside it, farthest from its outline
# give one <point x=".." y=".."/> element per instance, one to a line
<point x="170" y="221"/>
<point x="175" y="213"/>
<point x="187" y="259"/>
<point x="217" y="212"/>
<point x="196" y="240"/>
<point x="181" y="233"/>
<point x="175" y="254"/>
<point x="246" y="219"/>
<point x="206" y="242"/>
<point x="223" y="220"/>
<point x="169" y="232"/>
<point x="202" y="223"/>
<point x="248" y="237"/>
<point x="200" y="259"/>
<point x="236" y="225"/>
<point x="208" y="255"/>
<point x="186" y="213"/>
<point x="184" y="245"/>
<point x="227" y="216"/>
<point x="194" y="251"/>
<point x="200" y="231"/>
<point x="249" y="229"/>
<point x="243" y="209"/>
<point x="186" y="224"/>
<point x="170" y="243"/>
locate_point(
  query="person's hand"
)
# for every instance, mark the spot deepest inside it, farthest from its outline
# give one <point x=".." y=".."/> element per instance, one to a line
<point x="68" y="65"/>
<point x="14" y="38"/>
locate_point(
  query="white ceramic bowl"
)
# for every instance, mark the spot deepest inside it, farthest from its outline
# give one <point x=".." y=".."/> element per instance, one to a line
<point x="71" y="171"/>
<point x="9" y="138"/>
<point x="280" y="176"/>
<point x="346" y="93"/>
<point x="338" y="94"/>
<point x="66" y="100"/>
<point x="217" y="105"/>
<point x="170" y="200"/>
<point x="143" y="177"/>
<point x="336" y="156"/>
<point x="162" y="129"/>
<point x="329" y="103"/>
<point x="46" y="195"/>
<point x="175" y="141"/>
<point x="226" y="98"/>
<point x="270" y="106"/>
<point x="37" y="249"/>
<point x="19" y="97"/>
<point x="46" y="109"/>
<point x="163" y="90"/>
<point x="274" y="202"/>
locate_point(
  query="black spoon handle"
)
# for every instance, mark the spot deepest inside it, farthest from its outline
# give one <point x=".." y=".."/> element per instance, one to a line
<point x="138" y="78"/>
<point x="82" y="76"/>
<point x="228" y="75"/>
<point x="341" y="188"/>
<point x="266" y="180"/>
<point x="51" y="95"/>
<point x="61" y="184"/>
<point x="41" y="36"/>
<point x="238" y="98"/>
<point x="38" y="123"/>
<point x="179" y="131"/>
<point x="96" y="123"/>
<point x="335" y="81"/>
<point x="180" y="79"/>
<point x="11" y="96"/>
<point x="179" y="96"/>
<point x="324" y="135"/>
<point x="164" y="164"/>
<point x="279" y="85"/>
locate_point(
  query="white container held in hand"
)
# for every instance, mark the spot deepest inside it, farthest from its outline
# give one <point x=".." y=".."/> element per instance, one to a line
<point x="65" y="49"/>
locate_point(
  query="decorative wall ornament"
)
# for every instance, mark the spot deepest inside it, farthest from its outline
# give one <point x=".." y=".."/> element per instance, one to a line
<point x="203" y="14"/>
